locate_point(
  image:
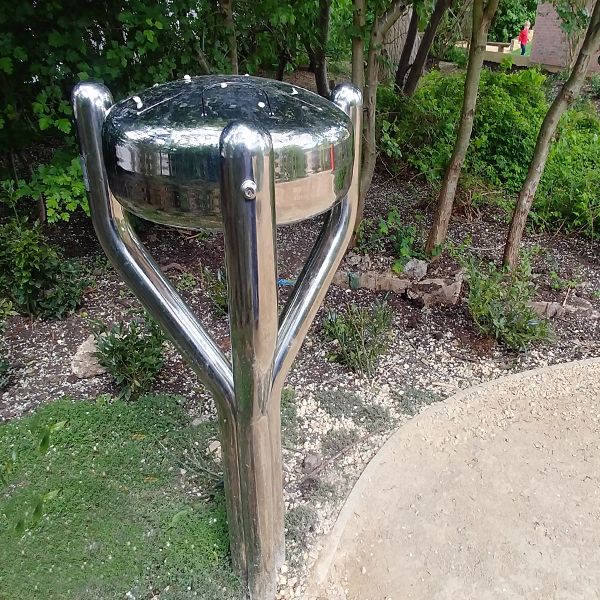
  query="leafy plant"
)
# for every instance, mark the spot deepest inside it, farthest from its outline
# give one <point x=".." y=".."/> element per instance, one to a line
<point x="187" y="282"/>
<point x="560" y="284"/>
<point x="360" y="335"/>
<point x="457" y="55"/>
<point x="499" y="303"/>
<point x="132" y="353"/>
<point x="60" y="184"/>
<point x="33" y="274"/>
<point x="390" y="234"/>
<point x="216" y="288"/>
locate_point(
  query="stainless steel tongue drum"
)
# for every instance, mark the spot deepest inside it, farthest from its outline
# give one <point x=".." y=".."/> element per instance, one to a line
<point x="242" y="154"/>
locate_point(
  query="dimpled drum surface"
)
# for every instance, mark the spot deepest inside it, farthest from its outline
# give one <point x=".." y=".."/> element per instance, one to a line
<point x="161" y="148"/>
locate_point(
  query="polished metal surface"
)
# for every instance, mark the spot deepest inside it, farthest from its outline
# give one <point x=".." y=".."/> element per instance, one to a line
<point x="247" y="391"/>
<point x="161" y="148"/>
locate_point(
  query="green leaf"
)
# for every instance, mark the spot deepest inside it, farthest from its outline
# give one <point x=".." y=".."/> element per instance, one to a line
<point x="51" y="495"/>
<point x="6" y="64"/>
<point x="20" y="526"/>
<point x="44" y="122"/>
<point x="57" y="426"/>
<point x="44" y="443"/>
<point x="38" y="511"/>
<point x="63" y="125"/>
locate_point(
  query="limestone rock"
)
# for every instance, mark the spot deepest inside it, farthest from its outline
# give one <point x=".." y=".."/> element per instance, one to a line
<point x="84" y="363"/>
<point x="437" y="291"/>
<point x="548" y="310"/>
<point x="416" y="269"/>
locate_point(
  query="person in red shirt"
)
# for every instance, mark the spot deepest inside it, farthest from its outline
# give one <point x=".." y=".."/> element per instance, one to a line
<point x="524" y="37"/>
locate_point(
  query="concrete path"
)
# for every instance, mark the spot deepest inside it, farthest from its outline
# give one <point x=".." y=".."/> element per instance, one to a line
<point x="494" y="493"/>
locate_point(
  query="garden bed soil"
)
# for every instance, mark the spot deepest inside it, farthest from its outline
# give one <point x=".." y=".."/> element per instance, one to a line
<point x="433" y="352"/>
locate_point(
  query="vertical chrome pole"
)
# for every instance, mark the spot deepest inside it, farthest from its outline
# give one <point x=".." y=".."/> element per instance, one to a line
<point x="248" y="208"/>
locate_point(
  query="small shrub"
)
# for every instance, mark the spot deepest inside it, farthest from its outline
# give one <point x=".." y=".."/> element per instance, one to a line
<point x="132" y="353"/>
<point x="60" y="184"/>
<point x="498" y="302"/>
<point x="187" y="282"/>
<point x="338" y="440"/>
<point x="300" y="522"/>
<point x="5" y="370"/>
<point x="411" y="401"/>
<point x="391" y="234"/>
<point x="289" y="419"/>
<point x="216" y="288"/>
<point x="33" y="274"/>
<point x="373" y="417"/>
<point x="457" y="55"/>
<point x="360" y="334"/>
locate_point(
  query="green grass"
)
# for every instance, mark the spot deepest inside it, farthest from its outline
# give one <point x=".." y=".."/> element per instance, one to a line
<point x="101" y="508"/>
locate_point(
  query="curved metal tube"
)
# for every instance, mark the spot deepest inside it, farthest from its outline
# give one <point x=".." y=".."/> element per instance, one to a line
<point x="326" y="254"/>
<point x="91" y="103"/>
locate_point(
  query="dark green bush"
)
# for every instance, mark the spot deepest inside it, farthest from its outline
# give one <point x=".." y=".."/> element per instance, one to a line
<point x="568" y="197"/>
<point x="360" y="335"/>
<point x="510" y="110"/>
<point x="33" y="274"/>
<point x="132" y="353"/>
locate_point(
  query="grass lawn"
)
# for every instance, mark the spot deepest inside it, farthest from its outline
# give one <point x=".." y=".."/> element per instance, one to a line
<point x="96" y="503"/>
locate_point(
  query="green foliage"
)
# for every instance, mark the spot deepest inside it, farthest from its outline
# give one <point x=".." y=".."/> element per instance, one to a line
<point x="499" y="303"/>
<point x="360" y="335"/>
<point x="132" y="353"/>
<point x="510" y="19"/>
<point x="567" y="197"/>
<point x="216" y="289"/>
<point x="457" y="55"/>
<point x="411" y="400"/>
<point x="338" y="440"/>
<point x="510" y="111"/>
<point x="300" y="522"/>
<point x="60" y="184"/>
<point x="187" y="282"/>
<point x="101" y="510"/>
<point x="289" y="419"/>
<point x="390" y="234"/>
<point x="34" y="276"/>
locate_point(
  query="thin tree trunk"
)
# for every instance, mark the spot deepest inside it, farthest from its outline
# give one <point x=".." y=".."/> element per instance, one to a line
<point x="567" y="95"/>
<point x="381" y="26"/>
<point x="358" y="44"/>
<point x="202" y="61"/>
<point x="482" y="18"/>
<point x="416" y="70"/>
<point x="227" y="8"/>
<point x="282" y="62"/>
<point x="409" y="43"/>
<point x="318" y="52"/>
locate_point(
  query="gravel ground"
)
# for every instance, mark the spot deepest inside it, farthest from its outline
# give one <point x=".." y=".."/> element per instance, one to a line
<point x="337" y="420"/>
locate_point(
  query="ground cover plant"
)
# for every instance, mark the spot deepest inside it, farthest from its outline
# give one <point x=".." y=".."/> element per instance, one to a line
<point x="95" y="504"/>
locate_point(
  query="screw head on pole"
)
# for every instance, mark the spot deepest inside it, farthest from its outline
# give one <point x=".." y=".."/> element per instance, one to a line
<point x="249" y="189"/>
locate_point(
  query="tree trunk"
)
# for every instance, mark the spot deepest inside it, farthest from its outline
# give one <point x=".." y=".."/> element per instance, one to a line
<point x="319" y="51"/>
<point x="202" y="61"/>
<point x="381" y="26"/>
<point x="409" y="43"/>
<point x="282" y="62"/>
<point x="482" y="17"/>
<point x="416" y="70"/>
<point x="569" y="92"/>
<point x="227" y="8"/>
<point x="358" y="44"/>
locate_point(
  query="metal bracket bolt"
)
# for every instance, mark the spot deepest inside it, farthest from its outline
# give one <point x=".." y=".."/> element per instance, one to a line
<point x="249" y="189"/>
